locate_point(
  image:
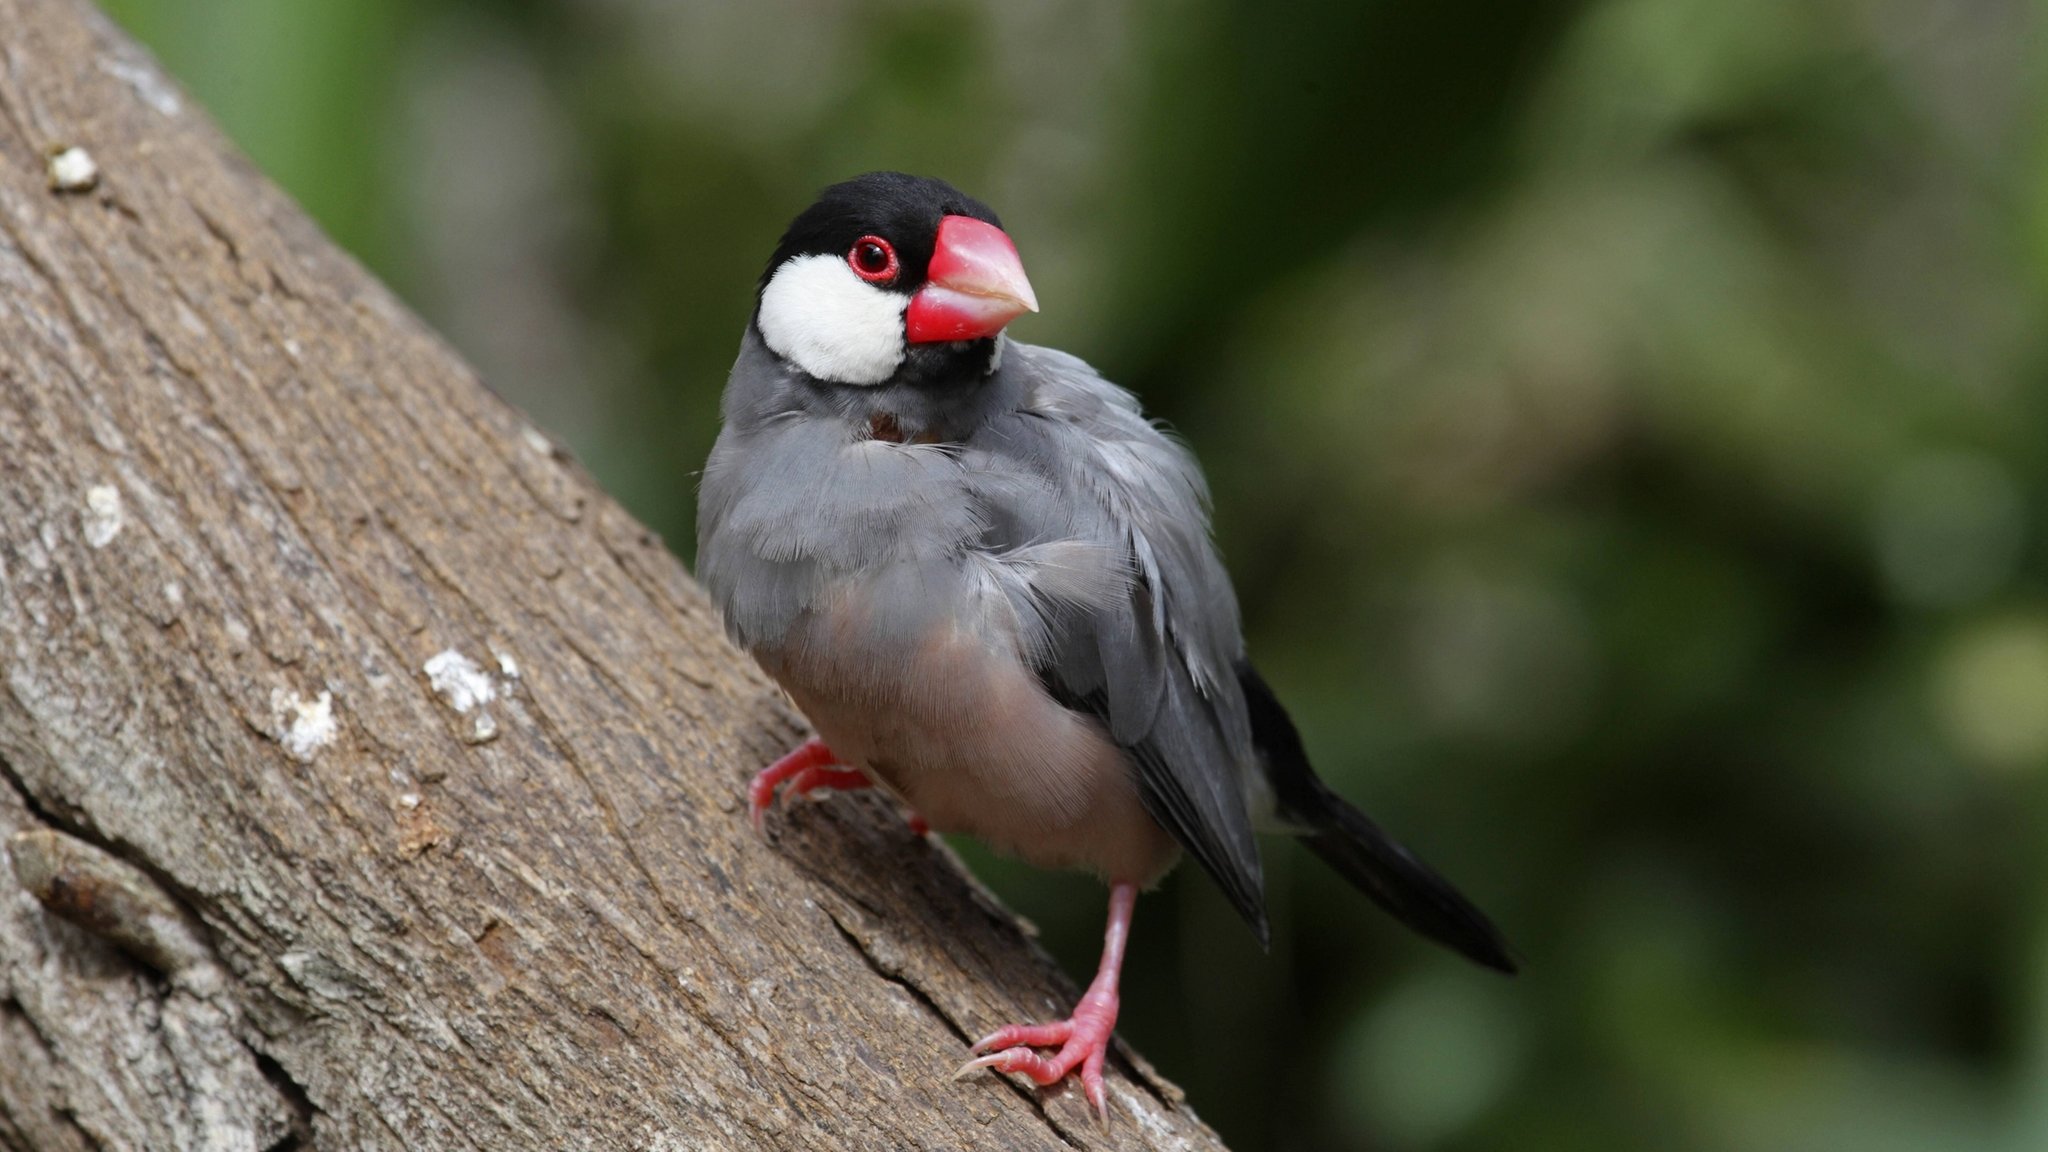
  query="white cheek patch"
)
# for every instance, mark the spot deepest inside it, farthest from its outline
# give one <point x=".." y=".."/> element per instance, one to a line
<point x="820" y="316"/>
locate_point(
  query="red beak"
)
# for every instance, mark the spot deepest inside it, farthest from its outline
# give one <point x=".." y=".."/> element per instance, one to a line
<point x="974" y="285"/>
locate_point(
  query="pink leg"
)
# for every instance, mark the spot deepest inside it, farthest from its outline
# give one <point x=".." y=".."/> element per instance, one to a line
<point x="811" y="767"/>
<point x="1083" y="1038"/>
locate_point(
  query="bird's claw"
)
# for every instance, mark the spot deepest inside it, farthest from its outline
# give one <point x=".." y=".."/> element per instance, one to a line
<point x="1083" y="1044"/>
<point x="811" y="767"/>
<point x="761" y="790"/>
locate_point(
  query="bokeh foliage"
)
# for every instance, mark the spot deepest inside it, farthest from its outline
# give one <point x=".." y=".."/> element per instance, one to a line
<point x="1629" y="427"/>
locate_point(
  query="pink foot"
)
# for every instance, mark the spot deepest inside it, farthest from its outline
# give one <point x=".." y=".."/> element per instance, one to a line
<point x="1083" y="1038"/>
<point x="809" y="756"/>
<point x="811" y="767"/>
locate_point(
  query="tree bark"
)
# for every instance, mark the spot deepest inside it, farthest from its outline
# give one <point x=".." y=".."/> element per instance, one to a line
<point x="369" y="778"/>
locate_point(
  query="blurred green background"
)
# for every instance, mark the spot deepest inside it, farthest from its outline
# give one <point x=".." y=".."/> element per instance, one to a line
<point x="1629" y="428"/>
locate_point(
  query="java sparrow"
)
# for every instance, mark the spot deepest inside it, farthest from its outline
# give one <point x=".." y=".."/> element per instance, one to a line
<point x="987" y="580"/>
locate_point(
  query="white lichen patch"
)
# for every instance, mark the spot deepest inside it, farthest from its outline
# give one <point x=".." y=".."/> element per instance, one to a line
<point x="72" y="169"/>
<point x="483" y="729"/>
<point x="458" y="681"/>
<point x="304" y="726"/>
<point x="466" y="688"/>
<point x="103" y="516"/>
<point x="148" y="84"/>
<point x="1158" y="1132"/>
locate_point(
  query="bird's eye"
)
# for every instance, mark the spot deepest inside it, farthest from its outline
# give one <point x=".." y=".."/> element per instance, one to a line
<point x="873" y="259"/>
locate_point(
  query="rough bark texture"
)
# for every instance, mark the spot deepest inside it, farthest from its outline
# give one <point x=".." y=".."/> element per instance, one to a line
<point x="370" y="779"/>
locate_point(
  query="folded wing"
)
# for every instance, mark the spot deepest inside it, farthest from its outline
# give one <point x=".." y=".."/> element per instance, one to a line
<point x="1154" y="658"/>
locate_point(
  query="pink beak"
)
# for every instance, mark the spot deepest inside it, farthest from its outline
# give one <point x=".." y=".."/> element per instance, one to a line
<point x="974" y="285"/>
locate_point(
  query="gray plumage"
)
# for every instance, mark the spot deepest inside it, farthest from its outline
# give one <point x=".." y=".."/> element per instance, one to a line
<point x="987" y="579"/>
<point x="1051" y="510"/>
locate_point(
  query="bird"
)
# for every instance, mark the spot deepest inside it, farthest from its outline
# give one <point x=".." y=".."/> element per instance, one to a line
<point x="988" y="581"/>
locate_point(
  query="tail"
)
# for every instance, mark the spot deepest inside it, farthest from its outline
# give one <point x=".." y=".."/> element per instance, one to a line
<point x="1348" y="841"/>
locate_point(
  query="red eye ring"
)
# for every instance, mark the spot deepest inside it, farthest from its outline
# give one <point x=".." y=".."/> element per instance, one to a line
<point x="873" y="259"/>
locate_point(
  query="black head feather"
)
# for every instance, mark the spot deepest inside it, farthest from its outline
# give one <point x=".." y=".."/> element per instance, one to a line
<point x="903" y="209"/>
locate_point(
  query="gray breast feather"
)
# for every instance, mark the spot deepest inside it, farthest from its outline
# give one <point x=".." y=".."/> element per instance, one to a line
<point x="797" y="506"/>
<point x="819" y="494"/>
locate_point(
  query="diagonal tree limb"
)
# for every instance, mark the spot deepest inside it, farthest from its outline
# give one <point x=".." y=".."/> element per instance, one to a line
<point x="395" y="772"/>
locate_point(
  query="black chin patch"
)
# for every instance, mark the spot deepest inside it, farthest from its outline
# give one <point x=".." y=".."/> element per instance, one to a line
<point x="952" y="364"/>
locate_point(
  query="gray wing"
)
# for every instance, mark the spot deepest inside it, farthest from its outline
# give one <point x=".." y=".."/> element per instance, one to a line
<point x="1155" y="657"/>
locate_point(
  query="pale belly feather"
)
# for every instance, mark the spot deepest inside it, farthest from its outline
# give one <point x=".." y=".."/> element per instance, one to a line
<point x="969" y="739"/>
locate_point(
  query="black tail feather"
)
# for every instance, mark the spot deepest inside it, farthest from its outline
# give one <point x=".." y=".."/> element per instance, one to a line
<point x="1408" y="889"/>
<point x="1351" y="843"/>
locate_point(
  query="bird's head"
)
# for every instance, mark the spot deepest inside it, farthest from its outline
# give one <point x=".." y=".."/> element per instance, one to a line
<point x="892" y="278"/>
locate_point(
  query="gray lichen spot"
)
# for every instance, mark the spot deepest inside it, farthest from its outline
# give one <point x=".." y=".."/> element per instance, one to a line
<point x="321" y="976"/>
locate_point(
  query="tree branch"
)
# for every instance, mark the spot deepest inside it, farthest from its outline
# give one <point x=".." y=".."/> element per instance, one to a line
<point x="394" y="771"/>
